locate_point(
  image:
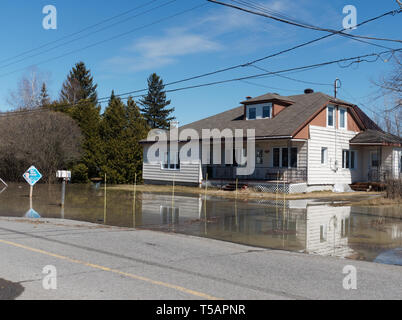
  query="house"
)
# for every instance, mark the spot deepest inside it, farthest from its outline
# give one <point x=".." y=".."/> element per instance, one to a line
<point x="305" y="142"/>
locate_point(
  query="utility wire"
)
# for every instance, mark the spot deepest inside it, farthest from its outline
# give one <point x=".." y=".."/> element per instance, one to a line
<point x="78" y="32"/>
<point x="111" y="38"/>
<point x="89" y="34"/>
<point x="247" y="64"/>
<point x="307" y="67"/>
<point x="311" y="27"/>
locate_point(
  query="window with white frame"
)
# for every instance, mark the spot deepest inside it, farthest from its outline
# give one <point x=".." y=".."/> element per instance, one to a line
<point x="266" y="111"/>
<point x="171" y="164"/>
<point x="284" y="157"/>
<point x="324" y="155"/>
<point x="348" y="159"/>
<point x="252" y="113"/>
<point x="342" y="118"/>
<point x="259" y="156"/>
<point x="331" y="116"/>
<point x="323" y="233"/>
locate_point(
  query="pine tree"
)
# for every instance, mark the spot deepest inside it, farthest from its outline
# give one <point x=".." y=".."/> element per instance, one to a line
<point x="79" y="85"/>
<point x="44" y="99"/>
<point x="137" y="129"/>
<point x="114" y="148"/>
<point x="155" y="103"/>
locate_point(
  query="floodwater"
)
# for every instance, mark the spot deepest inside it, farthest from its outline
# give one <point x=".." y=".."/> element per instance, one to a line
<point x="363" y="233"/>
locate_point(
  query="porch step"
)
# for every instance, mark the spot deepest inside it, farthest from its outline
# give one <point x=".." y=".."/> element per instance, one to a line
<point x="232" y="187"/>
<point x="368" y="186"/>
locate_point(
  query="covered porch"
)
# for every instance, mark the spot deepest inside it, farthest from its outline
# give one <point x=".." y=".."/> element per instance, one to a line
<point x="276" y="160"/>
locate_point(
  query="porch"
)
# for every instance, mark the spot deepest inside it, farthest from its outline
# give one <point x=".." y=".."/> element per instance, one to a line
<point x="260" y="174"/>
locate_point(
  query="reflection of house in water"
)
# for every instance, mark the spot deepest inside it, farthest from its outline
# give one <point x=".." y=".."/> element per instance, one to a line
<point x="167" y="210"/>
<point x="292" y="225"/>
<point x="328" y="229"/>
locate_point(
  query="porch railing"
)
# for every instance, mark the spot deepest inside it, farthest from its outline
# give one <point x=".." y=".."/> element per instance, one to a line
<point x="291" y="175"/>
<point x="379" y="175"/>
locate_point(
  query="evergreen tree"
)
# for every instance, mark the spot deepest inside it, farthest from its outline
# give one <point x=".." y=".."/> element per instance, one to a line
<point x="87" y="115"/>
<point x="113" y="124"/>
<point x="44" y="99"/>
<point x="155" y="103"/>
<point x="79" y="85"/>
<point x="137" y="129"/>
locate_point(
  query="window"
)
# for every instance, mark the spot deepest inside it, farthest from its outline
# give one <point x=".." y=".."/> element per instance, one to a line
<point x="374" y="159"/>
<point x="342" y="118"/>
<point x="168" y="164"/>
<point x="276" y="156"/>
<point x="252" y="113"/>
<point x="348" y="159"/>
<point x="293" y="157"/>
<point x="323" y="233"/>
<point x="330" y="116"/>
<point x="266" y="112"/>
<point x="324" y="155"/>
<point x="285" y="157"/>
<point x="259" y="156"/>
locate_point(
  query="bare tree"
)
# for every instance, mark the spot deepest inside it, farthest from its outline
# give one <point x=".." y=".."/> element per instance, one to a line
<point x="390" y="96"/>
<point x="49" y="140"/>
<point x="27" y="95"/>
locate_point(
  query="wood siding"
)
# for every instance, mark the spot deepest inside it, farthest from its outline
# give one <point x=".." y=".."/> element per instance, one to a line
<point x="335" y="141"/>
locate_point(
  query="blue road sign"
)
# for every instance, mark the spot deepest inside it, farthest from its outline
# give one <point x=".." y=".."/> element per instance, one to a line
<point x="32" y="176"/>
<point x="32" y="214"/>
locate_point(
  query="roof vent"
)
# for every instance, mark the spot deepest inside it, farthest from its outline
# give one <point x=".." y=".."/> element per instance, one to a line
<point x="308" y="91"/>
<point x="248" y="98"/>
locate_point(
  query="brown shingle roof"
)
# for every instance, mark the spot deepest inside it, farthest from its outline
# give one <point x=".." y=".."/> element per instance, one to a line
<point x="371" y="136"/>
<point x="267" y="97"/>
<point x="287" y="123"/>
<point x="284" y="124"/>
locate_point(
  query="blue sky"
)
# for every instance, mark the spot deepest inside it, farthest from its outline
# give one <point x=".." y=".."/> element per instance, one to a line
<point x="205" y="39"/>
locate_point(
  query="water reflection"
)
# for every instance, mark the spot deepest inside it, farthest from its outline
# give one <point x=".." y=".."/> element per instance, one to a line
<point x="296" y="225"/>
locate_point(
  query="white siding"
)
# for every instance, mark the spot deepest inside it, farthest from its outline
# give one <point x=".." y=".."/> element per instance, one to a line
<point x="189" y="172"/>
<point x="331" y="219"/>
<point x="396" y="166"/>
<point x="335" y="141"/>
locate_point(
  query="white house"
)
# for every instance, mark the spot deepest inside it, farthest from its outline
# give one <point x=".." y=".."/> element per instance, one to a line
<point x="304" y="142"/>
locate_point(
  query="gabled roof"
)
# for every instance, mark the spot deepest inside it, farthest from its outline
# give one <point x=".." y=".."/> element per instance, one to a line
<point x="286" y="123"/>
<point x="269" y="97"/>
<point x="376" y="137"/>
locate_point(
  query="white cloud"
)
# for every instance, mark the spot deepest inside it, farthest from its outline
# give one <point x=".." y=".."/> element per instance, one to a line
<point x="153" y="52"/>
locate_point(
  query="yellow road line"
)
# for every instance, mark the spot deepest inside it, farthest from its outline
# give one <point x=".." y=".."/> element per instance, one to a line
<point x="129" y="275"/>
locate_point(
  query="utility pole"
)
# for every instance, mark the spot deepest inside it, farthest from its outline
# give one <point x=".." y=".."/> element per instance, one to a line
<point x="336" y="87"/>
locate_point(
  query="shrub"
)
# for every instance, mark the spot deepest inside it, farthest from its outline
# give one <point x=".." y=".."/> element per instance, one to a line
<point x="79" y="174"/>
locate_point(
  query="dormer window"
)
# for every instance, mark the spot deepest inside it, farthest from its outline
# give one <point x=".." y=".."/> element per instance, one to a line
<point x="330" y="116"/>
<point x="252" y="113"/>
<point x="266" y="111"/>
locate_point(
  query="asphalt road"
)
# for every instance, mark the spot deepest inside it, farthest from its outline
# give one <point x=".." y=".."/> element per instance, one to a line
<point x="96" y="262"/>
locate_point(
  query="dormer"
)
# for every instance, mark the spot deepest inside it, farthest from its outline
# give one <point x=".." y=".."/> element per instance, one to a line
<point x="265" y="107"/>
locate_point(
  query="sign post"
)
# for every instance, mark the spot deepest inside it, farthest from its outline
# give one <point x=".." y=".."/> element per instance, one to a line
<point x="66" y="176"/>
<point x="32" y="176"/>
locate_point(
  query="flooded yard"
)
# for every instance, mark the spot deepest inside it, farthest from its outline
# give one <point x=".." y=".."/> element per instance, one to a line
<point x="307" y="226"/>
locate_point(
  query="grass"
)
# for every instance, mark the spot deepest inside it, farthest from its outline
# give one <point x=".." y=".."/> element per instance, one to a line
<point x="250" y="194"/>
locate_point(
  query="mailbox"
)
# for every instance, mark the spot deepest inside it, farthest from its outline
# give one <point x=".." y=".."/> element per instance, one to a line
<point x="63" y="174"/>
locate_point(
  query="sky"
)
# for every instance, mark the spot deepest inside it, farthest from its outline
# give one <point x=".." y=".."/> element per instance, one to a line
<point x="178" y="39"/>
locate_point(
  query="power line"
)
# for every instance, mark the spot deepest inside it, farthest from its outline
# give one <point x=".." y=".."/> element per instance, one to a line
<point x="78" y="32"/>
<point x="89" y="34"/>
<point x="112" y="38"/>
<point x="247" y="64"/>
<point x="307" y="67"/>
<point x="311" y="27"/>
